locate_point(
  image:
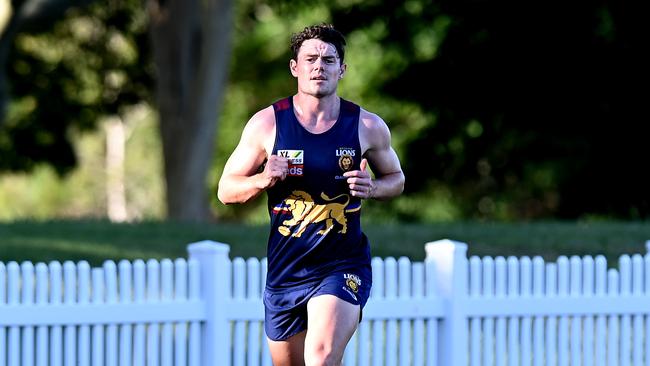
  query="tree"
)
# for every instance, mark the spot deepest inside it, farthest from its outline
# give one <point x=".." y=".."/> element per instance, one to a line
<point x="107" y="67"/>
<point x="191" y="48"/>
<point x="514" y="110"/>
<point x="19" y="146"/>
<point x="530" y="110"/>
<point x="67" y="74"/>
<point x="535" y="109"/>
<point x="499" y="111"/>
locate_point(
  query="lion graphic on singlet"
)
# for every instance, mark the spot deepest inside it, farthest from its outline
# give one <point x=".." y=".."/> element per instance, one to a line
<point x="304" y="212"/>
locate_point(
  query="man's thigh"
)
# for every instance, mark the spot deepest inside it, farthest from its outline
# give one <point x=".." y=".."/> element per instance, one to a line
<point x="331" y="324"/>
<point x="289" y="352"/>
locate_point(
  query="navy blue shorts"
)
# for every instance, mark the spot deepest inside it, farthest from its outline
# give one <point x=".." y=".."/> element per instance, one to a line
<point x="285" y="313"/>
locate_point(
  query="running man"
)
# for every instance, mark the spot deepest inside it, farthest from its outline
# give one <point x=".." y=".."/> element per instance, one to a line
<point x="310" y="152"/>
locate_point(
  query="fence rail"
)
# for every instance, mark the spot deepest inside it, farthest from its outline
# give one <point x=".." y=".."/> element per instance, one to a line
<point x="121" y="314"/>
<point x="447" y="310"/>
<point x="574" y="311"/>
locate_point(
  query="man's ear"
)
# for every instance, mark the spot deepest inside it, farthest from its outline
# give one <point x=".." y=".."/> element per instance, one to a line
<point x="292" y="66"/>
<point x="344" y="67"/>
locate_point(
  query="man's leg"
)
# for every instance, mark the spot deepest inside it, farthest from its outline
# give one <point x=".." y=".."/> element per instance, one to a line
<point x="331" y="322"/>
<point x="289" y="352"/>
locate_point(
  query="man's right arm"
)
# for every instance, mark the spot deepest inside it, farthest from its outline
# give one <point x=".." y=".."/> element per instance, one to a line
<point x="240" y="181"/>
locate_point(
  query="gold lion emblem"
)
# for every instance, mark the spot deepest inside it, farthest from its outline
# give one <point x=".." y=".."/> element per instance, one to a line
<point x="346" y="162"/>
<point x="352" y="281"/>
<point x="304" y="212"/>
<point x="352" y="285"/>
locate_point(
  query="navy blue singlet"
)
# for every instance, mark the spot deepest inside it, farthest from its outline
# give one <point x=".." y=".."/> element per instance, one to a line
<point x="315" y="222"/>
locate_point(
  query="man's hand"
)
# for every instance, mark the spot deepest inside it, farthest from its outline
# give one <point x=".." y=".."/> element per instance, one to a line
<point x="361" y="185"/>
<point x="276" y="168"/>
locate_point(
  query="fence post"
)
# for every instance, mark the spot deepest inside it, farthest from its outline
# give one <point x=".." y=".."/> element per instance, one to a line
<point x="450" y="258"/>
<point x="214" y="266"/>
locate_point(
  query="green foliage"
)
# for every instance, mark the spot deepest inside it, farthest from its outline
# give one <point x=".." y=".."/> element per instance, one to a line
<point x="532" y="120"/>
<point x="494" y="116"/>
<point x="260" y="76"/>
<point x="93" y="63"/>
<point x="43" y="194"/>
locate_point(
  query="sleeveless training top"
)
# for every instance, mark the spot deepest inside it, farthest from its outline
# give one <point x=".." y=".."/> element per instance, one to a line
<point x="315" y="222"/>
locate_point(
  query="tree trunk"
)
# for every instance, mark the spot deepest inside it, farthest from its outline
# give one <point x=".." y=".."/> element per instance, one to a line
<point x="10" y="24"/>
<point x="115" y="186"/>
<point x="191" y="49"/>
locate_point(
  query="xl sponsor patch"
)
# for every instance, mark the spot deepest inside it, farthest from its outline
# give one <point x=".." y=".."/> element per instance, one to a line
<point x="296" y="160"/>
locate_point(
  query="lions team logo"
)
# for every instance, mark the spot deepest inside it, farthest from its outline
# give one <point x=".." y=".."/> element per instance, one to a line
<point x="346" y="162"/>
<point x="352" y="281"/>
<point x="346" y="158"/>
<point x="304" y="212"/>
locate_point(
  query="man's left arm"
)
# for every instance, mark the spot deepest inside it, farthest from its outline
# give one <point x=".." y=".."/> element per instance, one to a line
<point x="375" y="141"/>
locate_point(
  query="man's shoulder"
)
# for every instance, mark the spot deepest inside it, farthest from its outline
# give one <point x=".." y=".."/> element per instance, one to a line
<point x="373" y="131"/>
<point x="267" y="115"/>
<point x="264" y="113"/>
<point x="370" y="120"/>
<point x="263" y="120"/>
<point x="281" y="105"/>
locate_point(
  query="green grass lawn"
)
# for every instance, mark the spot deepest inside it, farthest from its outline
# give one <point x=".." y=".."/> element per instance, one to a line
<point x="96" y="241"/>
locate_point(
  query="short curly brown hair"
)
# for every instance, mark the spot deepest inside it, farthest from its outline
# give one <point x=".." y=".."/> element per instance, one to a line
<point x="324" y="32"/>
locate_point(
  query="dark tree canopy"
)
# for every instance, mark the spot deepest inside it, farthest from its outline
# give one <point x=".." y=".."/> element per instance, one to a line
<point x="98" y="65"/>
<point x="531" y="110"/>
<point x="535" y="104"/>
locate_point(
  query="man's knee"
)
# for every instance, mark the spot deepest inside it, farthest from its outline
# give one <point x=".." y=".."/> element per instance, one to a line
<point x="320" y="355"/>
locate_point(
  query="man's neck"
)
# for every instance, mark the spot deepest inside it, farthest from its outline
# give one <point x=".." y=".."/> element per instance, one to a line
<point x="313" y="111"/>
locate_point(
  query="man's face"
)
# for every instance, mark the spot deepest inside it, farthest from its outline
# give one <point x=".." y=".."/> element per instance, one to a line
<point x="318" y="68"/>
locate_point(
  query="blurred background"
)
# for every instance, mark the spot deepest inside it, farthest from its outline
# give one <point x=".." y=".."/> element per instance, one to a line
<point x="501" y="112"/>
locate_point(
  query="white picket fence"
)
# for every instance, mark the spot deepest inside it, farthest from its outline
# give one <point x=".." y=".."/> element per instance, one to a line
<point x="448" y="310"/>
